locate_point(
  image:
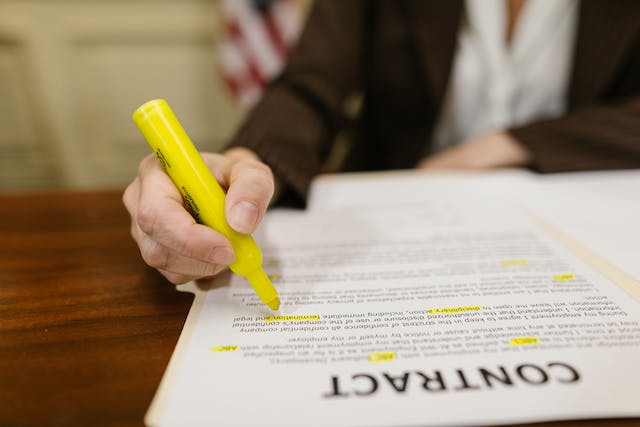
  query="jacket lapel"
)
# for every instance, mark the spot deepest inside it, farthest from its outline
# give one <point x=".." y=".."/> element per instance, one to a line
<point x="605" y="33"/>
<point x="434" y="25"/>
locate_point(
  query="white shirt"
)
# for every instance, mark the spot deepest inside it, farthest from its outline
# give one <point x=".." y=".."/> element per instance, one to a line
<point x="494" y="86"/>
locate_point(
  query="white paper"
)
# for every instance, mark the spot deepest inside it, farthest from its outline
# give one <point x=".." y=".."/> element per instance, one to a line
<point x="599" y="209"/>
<point x="441" y="310"/>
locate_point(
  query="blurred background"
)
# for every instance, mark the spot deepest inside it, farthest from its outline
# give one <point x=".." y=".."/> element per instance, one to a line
<point x="72" y="72"/>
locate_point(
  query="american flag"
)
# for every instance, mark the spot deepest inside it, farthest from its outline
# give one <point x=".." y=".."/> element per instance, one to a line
<point x="258" y="35"/>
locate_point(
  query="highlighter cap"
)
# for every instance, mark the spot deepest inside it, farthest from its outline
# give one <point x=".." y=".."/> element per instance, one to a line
<point x="182" y="162"/>
<point x="148" y="109"/>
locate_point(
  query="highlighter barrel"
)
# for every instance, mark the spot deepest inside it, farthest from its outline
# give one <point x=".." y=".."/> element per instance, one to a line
<point x="200" y="190"/>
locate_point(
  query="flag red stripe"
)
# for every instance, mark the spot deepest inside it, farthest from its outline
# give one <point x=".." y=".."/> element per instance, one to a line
<point x="255" y="46"/>
<point x="239" y="40"/>
<point x="274" y="33"/>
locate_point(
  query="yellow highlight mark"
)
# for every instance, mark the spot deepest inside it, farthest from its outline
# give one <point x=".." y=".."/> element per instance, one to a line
<point x="511" y="262"/>
<point x="564" y="277"/>
<point x="381" y="356"/>
<point x="313" y="317"/>
<point x="224" y="348"/>
<point x="448" y="310"/>
<point x="524" y="340"/>
<point x="273" y="277"/>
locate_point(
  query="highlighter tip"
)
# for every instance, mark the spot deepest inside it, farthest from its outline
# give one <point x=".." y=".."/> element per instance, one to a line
<point x="274" y="304"/>
<point x="264" y="288"/>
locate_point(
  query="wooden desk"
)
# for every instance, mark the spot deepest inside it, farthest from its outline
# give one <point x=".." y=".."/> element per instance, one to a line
<point x="86" y="329"/>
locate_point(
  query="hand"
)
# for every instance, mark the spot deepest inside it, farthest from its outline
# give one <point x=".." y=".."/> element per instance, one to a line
<point x="493" y="150"/>
<point x="170" y="239"/>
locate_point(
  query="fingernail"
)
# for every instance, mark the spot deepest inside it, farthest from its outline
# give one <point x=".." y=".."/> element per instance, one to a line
<point x="243" y="216"/>
<point x="222" y="255"/>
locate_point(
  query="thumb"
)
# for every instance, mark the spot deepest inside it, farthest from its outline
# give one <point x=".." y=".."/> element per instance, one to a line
<point x="250" y="188"/>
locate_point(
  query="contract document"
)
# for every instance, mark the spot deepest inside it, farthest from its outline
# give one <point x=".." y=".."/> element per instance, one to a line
<point x="448" y="302"/>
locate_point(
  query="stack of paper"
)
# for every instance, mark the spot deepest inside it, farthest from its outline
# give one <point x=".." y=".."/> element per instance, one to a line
<point x="412" y="299"/>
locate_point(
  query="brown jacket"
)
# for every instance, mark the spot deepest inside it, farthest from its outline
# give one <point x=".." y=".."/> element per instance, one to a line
<point x="398" y="54"/>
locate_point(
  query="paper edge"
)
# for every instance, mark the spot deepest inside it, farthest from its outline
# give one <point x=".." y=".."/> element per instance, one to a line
<point x="623" y="280"/>
<point x="155" y="412"/>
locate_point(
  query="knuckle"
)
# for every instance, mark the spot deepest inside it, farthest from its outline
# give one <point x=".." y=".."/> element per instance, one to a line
<point x="156" y="256"/>
<point x="265" y="189"/>
<point x="145" y="164"/>
<point x="175" y="278"/>
<point x="266" y="175"/>
<point x="260" y="175"/>
<point x="261" y="168"/>
<point x="146" y="218"/>
<point x="133" y="230"/>
<point x="184" y="247"/>
<point x="209" y="270"/>
<point x="127" y="197"/>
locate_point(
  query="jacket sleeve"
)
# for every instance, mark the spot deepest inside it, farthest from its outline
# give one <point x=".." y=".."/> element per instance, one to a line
<point x="292" y="126"/>
<point x="597" y="137"/>
<point x="601" y="135"/>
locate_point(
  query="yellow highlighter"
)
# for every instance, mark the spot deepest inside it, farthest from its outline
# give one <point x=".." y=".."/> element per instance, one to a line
<point x="201" y="191"/>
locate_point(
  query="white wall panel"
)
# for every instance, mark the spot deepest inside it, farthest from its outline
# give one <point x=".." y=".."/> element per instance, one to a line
<point x="68" y="88"/>
<point x="25" y="160"/>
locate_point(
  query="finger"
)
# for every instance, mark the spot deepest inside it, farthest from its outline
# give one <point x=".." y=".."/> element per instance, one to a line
<point x="130" y="197"/>
<point x="220" y="166"/>
<point x="164" y="259"/>
<point x="250" y="190"/>
<point x="177" y="279"/>
<point x="162" y="217"/>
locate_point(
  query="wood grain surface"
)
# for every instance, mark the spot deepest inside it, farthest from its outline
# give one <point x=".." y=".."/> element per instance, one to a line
<point x="86" y="329"/>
